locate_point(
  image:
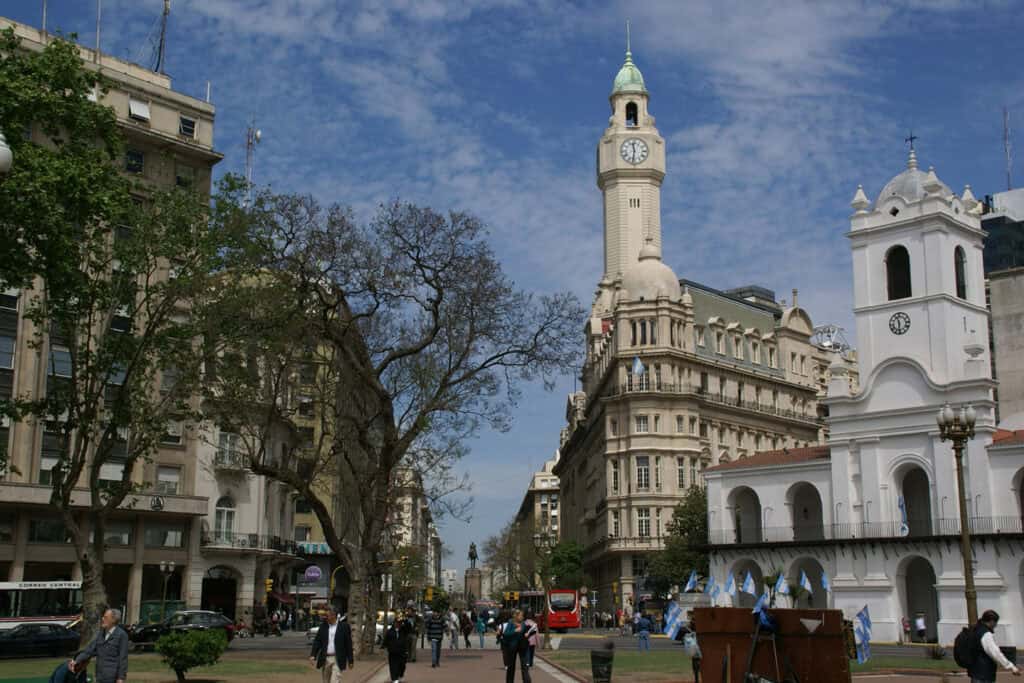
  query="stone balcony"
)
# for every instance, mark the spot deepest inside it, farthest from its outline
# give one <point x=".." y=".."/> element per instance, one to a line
<point x="648" y="386"/>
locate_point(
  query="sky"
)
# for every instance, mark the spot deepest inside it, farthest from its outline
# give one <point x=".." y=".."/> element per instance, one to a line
<point x="772" y="115"/>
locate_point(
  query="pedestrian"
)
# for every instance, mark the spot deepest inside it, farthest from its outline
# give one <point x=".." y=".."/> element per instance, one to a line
<point x="532" y="638"/>
<point x="110" y="649"/>
<point x="691" y="646"/>
<point x="921" y="627"/>
<point x="514" y="646"/>
<point x="435" y="634"/>
<point x="905" y="623"/>
<point x="643" y="633"/>
<point x="453" y="629"/>
<point x="332" y="647"/>
<point x="466" y="627"/>
<point x="987" y="656"/>
<point x="415" y="626"/>
<point x="481" y="629"/>
<point x="63" y="674"/>
<point x="396" y="642"/>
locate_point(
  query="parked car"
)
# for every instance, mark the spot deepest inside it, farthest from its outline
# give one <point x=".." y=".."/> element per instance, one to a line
<point x="179" y="622"/>
<point x="38" y="640"/>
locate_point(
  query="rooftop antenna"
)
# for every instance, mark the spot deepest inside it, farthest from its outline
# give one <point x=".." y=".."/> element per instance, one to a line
<point x="162" y="47"/>
<point x="99" y="12"/>
<point x="252" y="137"/>
<point x="1008" y="149"/>
<point x="627" y="35"/>
<point x="44" y="16"/>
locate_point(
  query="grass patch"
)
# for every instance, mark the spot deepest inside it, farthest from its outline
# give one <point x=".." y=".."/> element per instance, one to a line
<point x="901" y="663"/>
<point x="632" y="661"/>
<point x="23" y="669"/>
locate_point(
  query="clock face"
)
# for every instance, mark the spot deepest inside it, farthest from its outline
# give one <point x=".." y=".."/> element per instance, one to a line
<point x="633" y="150"/>
<point x="899" y="323"/>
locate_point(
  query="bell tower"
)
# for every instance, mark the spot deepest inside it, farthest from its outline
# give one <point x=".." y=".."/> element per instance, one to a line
<point x="630" y="168"/>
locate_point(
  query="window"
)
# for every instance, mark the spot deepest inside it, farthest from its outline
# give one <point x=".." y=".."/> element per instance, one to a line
<point x="302" y="534"/>
<point x="681" y="473"/>
<point x="704" y="382"/>
<point x="757" y="395"/>
<point x="117" y="532"/>
<point x="615" y="476"/>
<point x="653" y="324"/>
<point x="613" y="427"/>
<point x="657" y="522"/>
<point x="643" y="522"/>
<point x="184" y="176"/>
<point x="794" y="364"/>
<point x="60" y="361"/>
<point x="172" y="433"/>
<point x="643" y="473"/>
<point x="47" y="531"/>
<point x="657" y="377"/>
<point x="699" y="331"/>
<point x="307" y="373"/>
<point x="112" y="471"/>
<point x="632" y="333"/>
<point x="9" y="299"/>
<point x="224" y="520"/>
<point x="897" y="272"/>
<point x="960" y="268"/>
<point x="615" y="530"/>
<point x="657" y="473"/>
<point x="773" y="360"/>
<point x="6" y="353"/>
<point x="632" y="118"/>
<point x="7" y="524"/>
<point x="657" y="424"/>
<point x="134" y="161"/>
<point x="680" y="424"/>
<point x="138" y="110"/>
<point x="741" y="390"/>
<point x="187" y="127"/>
<point x="694" y="472"/>
<point x="640" y="564"/>
<point x="703" y="430"/>
<point x="302" y="506"/>
<point x="693" y="426"/>
<point x="755" y="353"/>
<point x="229" y="450"/>
<point x="164" y="535"/>
<point x="757" y="442"/>
<point x="775" y="398"/>
<point x="168" y="479"/>
<point x="737" y="347"/>
<point x="720" y="342"/>
<point x="803" y="365"/>
<point x="641" y="424"/>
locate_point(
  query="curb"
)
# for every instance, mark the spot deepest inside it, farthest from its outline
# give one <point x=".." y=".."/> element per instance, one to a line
<point x="561" y="669"/>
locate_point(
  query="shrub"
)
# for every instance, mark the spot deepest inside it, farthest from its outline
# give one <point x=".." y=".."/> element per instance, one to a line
<point x="184" y="651"/>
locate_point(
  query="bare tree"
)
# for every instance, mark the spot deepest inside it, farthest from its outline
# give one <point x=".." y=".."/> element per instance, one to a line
<point x="423" y="340"/>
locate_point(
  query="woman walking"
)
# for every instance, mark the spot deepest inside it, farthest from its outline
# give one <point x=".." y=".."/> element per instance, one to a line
<point x="514" y="646"/>
<point x="481" y="628"/>
<point x="532" y="638"/>
<point x="396" y="642"/>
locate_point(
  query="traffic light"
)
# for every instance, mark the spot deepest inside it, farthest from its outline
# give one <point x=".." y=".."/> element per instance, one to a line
<point x="269" y="585"/>
<point x="429" y="594"/>
<point x="515" y="596"/>
<point x="506" y="595"/>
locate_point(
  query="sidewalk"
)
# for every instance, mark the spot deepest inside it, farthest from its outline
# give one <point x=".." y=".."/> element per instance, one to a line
<point x="469" y="666"/>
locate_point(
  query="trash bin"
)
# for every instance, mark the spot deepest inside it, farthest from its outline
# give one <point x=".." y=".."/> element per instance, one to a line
<point x="601" y="665"/>
<point x="1010" y="652"/>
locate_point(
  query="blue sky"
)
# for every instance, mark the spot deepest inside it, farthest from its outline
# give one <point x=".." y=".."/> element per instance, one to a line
<point x="772" y="114"/>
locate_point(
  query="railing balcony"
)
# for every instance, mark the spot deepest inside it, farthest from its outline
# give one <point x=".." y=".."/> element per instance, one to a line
<point x="228" y="459"/>
<point x="242" y="541"/>
<point x="648" y="385"/>
<point x="610" y="543"/>
<point x="914" y="528"/>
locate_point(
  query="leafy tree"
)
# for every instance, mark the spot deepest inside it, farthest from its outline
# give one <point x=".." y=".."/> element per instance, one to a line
<point x="441" y="600"/>
<point x="511" y="554"/>
<point x="190" y="649"/>
<point x="424" y="339"/>
<point x="567" y="565"/>
<point x="684" y="543"/>
<point x="107" y="284"/>
<point x="408" y="573"/>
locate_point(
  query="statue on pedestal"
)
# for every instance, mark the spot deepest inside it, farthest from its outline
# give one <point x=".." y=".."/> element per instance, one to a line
<point x="472" y="556"/>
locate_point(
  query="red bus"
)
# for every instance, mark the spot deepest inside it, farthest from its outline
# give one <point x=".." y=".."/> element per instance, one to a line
<point x="563" y="609"/>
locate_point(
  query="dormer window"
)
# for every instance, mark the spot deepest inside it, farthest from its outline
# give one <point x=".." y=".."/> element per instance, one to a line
<point x="632" y="117"/>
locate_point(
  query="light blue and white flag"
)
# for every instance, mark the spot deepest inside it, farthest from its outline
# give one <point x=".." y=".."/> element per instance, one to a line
<point x="902" y="505"/>
<point x="781" y="587"/>
<point x="862" y="635"/>
<point x="716" y="590"/>
<point x="730" y="585"/>
<point x="691" y="585"/>
<point x="673" y="620"/>
<point x="761" y="603"/>
<point x="748" y="585"/>
<point x="638" y="367"/>
<point x="805" y="583"/>
<point x="710" y="586"/>
<point x="825" y="583"/>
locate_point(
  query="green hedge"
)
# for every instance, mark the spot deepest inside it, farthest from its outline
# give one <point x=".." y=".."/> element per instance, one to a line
<point x="187" y="650"/>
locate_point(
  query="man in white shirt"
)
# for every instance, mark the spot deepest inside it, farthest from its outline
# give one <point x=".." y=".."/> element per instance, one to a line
<point x="988" y="657"/>
<point x="332" y="647"/>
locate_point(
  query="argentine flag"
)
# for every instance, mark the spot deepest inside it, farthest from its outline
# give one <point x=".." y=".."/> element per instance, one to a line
<point x="825" y="583"/>
<point x="730" y="585"/>
<point x="862" y="633"/>
<point x="691" y="585"/>
<point x="673" y="620"/>
<point x="805" y="583"/>
<point x="761" y="602"/>
<point x="638" y="367"/>
<point x="710" y="586"/>
<point x="781" y="587"/>
<point x="748" y="585"/>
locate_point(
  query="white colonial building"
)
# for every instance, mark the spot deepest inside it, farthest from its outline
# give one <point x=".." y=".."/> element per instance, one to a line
<point x="876" y="508"/>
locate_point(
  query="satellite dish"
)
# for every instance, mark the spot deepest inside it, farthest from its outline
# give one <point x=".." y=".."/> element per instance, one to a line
<point x="259" y="134"/>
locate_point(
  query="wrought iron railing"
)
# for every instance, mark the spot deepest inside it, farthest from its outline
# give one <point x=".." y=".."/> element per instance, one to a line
<point x="914" y="528"/>
<point x="653" y="386"/>
<point x="242" y="541"/>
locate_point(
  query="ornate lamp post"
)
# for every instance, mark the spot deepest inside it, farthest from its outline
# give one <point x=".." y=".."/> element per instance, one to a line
<point x="542" y="544"/>
<point x="958" y="428"/>
<point x="6" y="156"/>
<point x="167" y="570"/>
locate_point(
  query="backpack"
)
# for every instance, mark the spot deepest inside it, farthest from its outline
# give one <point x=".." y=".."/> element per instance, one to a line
<point x="964" y="650"/>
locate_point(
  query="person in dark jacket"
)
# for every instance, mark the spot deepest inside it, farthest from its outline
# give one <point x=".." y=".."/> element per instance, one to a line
<point x="109" y="648"/>
<point x="514" y="646"/>
<point x="63" y="674"/>
<point x="332" y="647"/>
<point x="435" y="634"/>
<point x="987" y="656"/>
<point x="396" y="642"/>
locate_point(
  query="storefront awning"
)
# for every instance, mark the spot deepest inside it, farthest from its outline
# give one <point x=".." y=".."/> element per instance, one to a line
<point x="283" y="598"/>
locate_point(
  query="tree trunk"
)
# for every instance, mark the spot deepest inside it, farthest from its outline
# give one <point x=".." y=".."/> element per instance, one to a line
<point x="363" y="602"/>
<point x="180" y="673"/>
<point x="94" y="592"/>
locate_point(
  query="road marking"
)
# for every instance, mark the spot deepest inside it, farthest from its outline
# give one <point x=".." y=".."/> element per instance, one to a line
<point x="552" y="671"/>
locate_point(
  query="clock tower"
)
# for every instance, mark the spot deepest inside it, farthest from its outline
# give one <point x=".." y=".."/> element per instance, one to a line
<point x="630" y="168"/>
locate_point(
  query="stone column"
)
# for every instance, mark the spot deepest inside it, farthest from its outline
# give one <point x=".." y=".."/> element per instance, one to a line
<point x="17" y="572"/>
<point x="135" y="575"/>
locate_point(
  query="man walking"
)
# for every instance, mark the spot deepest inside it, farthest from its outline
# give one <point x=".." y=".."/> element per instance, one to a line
<point x="332" y="647"/>
<point x="435" y="634"/>
<point x="643" y="633"/>
<point x="453" y="629"/>
<point x="514" y="646"/>
<point x="396" y="641"/>
<point x="109" y="647"/>
<point x="987" y="656"/>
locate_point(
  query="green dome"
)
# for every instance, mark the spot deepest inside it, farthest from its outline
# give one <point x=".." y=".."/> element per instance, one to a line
<point x="629" y="78"/>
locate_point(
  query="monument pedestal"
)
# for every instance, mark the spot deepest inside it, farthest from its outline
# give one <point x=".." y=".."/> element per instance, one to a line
<point x="474" y="586"/>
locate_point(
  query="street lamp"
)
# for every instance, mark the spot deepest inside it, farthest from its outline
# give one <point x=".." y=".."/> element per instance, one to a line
<point x="167" y="570"/>
<point x="958" y="428"/>
<point x="542" y="543"/>
<point x="6" y="156"/>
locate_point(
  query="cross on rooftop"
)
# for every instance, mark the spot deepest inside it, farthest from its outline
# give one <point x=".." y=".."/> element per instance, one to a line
<point x="910" y="140"/>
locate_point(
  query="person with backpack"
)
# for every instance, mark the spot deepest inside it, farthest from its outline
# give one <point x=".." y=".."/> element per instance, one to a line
<point x="977" y="651"/>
